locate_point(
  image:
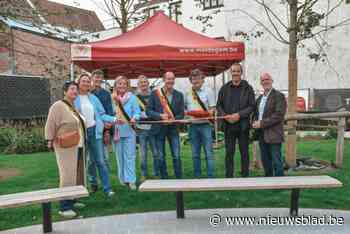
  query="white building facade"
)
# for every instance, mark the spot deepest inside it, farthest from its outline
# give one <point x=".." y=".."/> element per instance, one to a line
<point x="226" y="18"/>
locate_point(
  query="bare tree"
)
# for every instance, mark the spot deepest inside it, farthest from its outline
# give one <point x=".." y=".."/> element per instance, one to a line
<point x="304" y="21"/>
<point x="123" y="12"/>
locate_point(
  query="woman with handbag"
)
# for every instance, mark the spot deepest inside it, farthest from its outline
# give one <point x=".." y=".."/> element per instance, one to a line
<point x="65" y="133"/>
<point x="128" y="111"/>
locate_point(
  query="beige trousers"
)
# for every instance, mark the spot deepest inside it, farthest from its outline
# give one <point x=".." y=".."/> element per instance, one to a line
<point x="67" y="161"/>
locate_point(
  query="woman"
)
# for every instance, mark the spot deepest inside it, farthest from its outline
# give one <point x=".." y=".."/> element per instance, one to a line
<point x="63" y="120"/>
<point x="91" y="108"/>
<point x="128" y="111"/>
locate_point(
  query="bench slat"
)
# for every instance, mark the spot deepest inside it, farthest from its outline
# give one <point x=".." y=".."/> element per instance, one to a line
<point x="42" y="196"/>
<point x="252" y="183"/>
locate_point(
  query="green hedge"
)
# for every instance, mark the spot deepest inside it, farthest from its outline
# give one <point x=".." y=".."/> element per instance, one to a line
<point x="22" y="141"/>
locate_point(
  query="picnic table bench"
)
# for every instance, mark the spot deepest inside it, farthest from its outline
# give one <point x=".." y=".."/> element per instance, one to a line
<point x="294" y="183"/>
<point x="45" y="197"/>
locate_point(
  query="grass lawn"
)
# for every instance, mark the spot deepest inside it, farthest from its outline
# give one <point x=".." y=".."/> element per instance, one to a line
<point x="39" y="171"/>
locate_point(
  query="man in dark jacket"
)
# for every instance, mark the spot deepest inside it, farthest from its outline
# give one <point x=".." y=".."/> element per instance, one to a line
<point x="269" y="118"/>
<point x="167" y="104"/>
<point x="236" y="102"/>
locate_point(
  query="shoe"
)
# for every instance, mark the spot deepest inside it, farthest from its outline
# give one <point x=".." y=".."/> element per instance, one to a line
<point x="132" y="186"/>
<point x="143" y="178"/>
<point x="110" y="194"/>
<point x="68" y="214"/>
<point x="94" y="188"/>
<point x="79" y="205"/>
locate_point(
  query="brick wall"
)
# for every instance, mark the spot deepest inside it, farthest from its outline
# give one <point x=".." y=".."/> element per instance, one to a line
<point x="42" y="56"/>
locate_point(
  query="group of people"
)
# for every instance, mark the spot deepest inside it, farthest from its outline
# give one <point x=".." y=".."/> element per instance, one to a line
<point x="89" y="118"/>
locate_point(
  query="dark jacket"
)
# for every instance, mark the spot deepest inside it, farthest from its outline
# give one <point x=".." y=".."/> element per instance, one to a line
<point x="273" y="117"/>
<point x="154" y="109"/>
<point x="246" y="105"/>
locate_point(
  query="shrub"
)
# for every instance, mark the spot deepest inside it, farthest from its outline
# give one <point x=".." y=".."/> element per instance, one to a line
<point x="18" y="141"/>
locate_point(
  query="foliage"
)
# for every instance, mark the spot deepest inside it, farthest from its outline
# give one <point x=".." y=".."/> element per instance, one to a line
<point x="17" y="141"/>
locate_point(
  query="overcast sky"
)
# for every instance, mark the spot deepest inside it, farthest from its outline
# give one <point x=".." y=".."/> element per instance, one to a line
<point x="93" y="5"/>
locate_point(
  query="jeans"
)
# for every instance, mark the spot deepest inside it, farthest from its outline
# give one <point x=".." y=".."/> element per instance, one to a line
<point x="174" y="142"/>
<point x="66" y="205"/>
<point x="145" y="139"/>
<point x="201" y="136"/>
<point x="125" y="150"/>
<point x="230" y="147"/>
<point x="96" y="159"/>
<point x="271" y="157"/>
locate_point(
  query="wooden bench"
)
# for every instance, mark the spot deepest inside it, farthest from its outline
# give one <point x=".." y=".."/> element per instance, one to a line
<point x="45" y="197"/>
<point x="295" y="183"/>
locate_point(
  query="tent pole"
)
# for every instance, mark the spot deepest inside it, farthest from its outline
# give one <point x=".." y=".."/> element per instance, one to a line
<point x="71" y="71"/>
<point x="216" y="122"/>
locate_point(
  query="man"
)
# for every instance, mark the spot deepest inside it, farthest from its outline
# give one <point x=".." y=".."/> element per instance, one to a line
<point x="200" y="99"/>
<point x="145" y="138"/>
<point x="167" y="104"/>
<point x="269" y="118"/>
<point x="236" y="102"/>
<point x="105" y="98"/>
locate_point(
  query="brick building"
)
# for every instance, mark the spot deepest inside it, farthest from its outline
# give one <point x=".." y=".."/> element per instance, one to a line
<point x="39" y="44"/>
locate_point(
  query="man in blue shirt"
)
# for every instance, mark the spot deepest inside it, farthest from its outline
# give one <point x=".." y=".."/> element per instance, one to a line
<point x="105" y="98"/>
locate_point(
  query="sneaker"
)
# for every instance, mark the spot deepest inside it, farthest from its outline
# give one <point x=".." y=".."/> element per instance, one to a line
<point x="132" y="186"/>
<point x="79" y="205"/>
<point x="110" y="194"/>
<point x="68" y="214"/>
<point x="94" y="188"/>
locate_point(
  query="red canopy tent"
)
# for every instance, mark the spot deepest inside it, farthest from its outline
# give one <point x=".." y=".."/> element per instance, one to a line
<point x="157" y="45"/>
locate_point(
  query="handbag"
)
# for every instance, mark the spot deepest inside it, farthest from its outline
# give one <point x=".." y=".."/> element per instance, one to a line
<point x="68" y="139"/>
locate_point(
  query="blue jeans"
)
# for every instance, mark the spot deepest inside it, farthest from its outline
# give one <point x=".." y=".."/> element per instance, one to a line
<point x="201" y="136"/>
<point x="146" y="139"/>
<point x="174" y="142"/>
<point x="271" y="158"/>
<point x="66" y="205"/>
<point x="125" y="150"/>
<point x="95" y="152"/>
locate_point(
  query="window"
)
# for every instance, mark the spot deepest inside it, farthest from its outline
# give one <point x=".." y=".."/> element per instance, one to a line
<point x="175" y="12"/>
<point x="211" y="4"/>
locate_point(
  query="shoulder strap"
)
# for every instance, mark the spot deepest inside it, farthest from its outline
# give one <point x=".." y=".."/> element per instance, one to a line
<point x="197" y="99"/>
<point x="75" y="112"/>
<point x="141" y="103"/>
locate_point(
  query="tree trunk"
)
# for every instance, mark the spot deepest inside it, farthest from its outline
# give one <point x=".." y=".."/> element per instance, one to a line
<point x="292" y="84"/>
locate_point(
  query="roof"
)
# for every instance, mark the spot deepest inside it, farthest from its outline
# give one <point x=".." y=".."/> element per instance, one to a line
<point x="51" y="13"/>
<point x="71" y="17"/>
<point x="157" y="45"/>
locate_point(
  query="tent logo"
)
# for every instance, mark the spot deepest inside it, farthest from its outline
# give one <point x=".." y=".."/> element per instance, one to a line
<point x="79" y="51"/>
<point x="209" y="50"/>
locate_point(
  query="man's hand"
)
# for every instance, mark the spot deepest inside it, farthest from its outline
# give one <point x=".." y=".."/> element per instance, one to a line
<point x="164" y="116"/>
<point x="120" y="121"/>
<point x="132" y="121"/>
<point x="232" y="118"/>
<point x="256" y="124"/>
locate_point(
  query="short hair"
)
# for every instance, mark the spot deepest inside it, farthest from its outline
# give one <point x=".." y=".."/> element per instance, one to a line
<point x="240" y="66"/>
<point x="97" y="72"/>
<point x="167" y="73"/>
<point x="83" y="75"/>
<point x="195" y="73"/>
<point x="67" y="84"/>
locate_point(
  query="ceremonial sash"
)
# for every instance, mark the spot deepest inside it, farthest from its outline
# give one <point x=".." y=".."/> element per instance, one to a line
<point x="197" y="99"/>
<point x="165" y="103"/>
<point x="121" y="113"/>
<point x="141" y="103"/>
